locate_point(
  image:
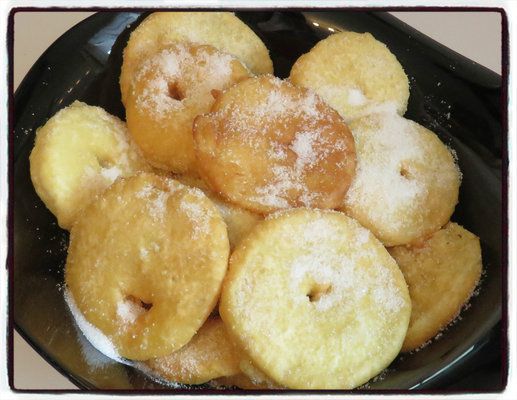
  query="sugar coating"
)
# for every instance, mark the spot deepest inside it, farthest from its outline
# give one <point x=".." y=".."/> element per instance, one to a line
<point x="98" y="340"/>
<point x="354" y="73"/>
<point x="169" y="89"/>
<point x="325" y="264"/>
<point x="209" y="355"/>
<point x="284" y="143"/>
<point x="442" y="273"/>
<point x="222" y="30"/>
<point x="128" y="311"/>
<point x="199" y="216"/>
<point x="406" y="184"/>
<point x="214" y="70"/>
<point x="341" y="305"/>
<point x="135" y="269"/>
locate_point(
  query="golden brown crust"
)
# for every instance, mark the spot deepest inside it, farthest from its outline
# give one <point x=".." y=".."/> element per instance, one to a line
<point x="169" y="89"/>
<point x="441" y="275"/>
<point x="239" y="221"/>
<point x="222" y="30"/>
<point x="268" y="145"/>
<point x="209" y="355"/>
<point x="146" y="263"/>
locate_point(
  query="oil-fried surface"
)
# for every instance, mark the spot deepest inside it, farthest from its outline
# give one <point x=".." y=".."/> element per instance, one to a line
<point x="168" y="90"/>
<point x="209" y="355"/>
<point x="315" y="301"/>
<point x="441" y="274"/>
<point x="407" y="182"/>
<point x="78" y="153"/>
<point x="146" y="263"/>
<point x="239" y="221"/>
<point x="354" y="73"/>
<point x="268" y="145"/>
<point x="222" y="30"/>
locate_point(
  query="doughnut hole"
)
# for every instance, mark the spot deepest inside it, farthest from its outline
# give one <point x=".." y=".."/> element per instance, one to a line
<point x="405" y="171"/>
<point x="175" y="91"/>
<point x="318" y="290"/>
<point x="138" y="302"/>
<point x="341" y="305"/>
<point x="222" y="30"/>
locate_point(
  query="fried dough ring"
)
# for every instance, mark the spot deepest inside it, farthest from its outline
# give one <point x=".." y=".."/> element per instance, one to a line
<point x="146" y="263"/>
<point x="407" y="182"/>
<point x="354" y="73"/>
<point x="222" y="30"/>
<point x="441" y="274"/>
<point x="238" y="220"/>
<point x="169" y="89"/>
<point x="78" y="153"/>
<point x="268" y="145"/>
<point x="329" y="306"/>
<point x="209" y="355"/>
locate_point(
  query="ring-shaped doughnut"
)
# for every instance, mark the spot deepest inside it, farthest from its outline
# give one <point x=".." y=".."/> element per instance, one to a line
<point x="145" y="264"/>
<point x="268" y="145"/>
<point x="407" y="182"/>
<point x="329" y="307"/>
<point x="441" y="274"/>
<point x="78" y="153"/>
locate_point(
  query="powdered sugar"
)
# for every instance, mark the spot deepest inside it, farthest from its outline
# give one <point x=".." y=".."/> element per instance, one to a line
<point x="303" y="146"/>
<point x="156" y="200"/>
<point x="98" y="339"/>
<point x="165" y="75"/>
<point x="293" y="132"/>
<point x="111" y="173"/>
<point x="157" y="206"/>
<point x="129" y="311"/>
<point x="198" y="215"/>
<point x="342" y="278"/>
<point x="356" y="97"/>
<point x="385" y="184"/>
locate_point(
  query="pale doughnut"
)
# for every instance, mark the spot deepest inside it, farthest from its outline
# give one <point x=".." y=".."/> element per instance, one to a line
<point x="79" y="152"/>
<point x="222" y="30"/>
<point x="406" y="184"/>
<point x="268" y="145"/>
<point x="354" y="73"/>
<point x="329" y="307"/>
<point x="238" y="220"/>
<point x="146" y="262"/>
<point x="209" y="355"/>
<point x="169" y="89"/>
<point x="441" y="275"/>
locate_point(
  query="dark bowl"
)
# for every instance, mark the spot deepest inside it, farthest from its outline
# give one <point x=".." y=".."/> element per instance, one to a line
<point x="451" y="95"/>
